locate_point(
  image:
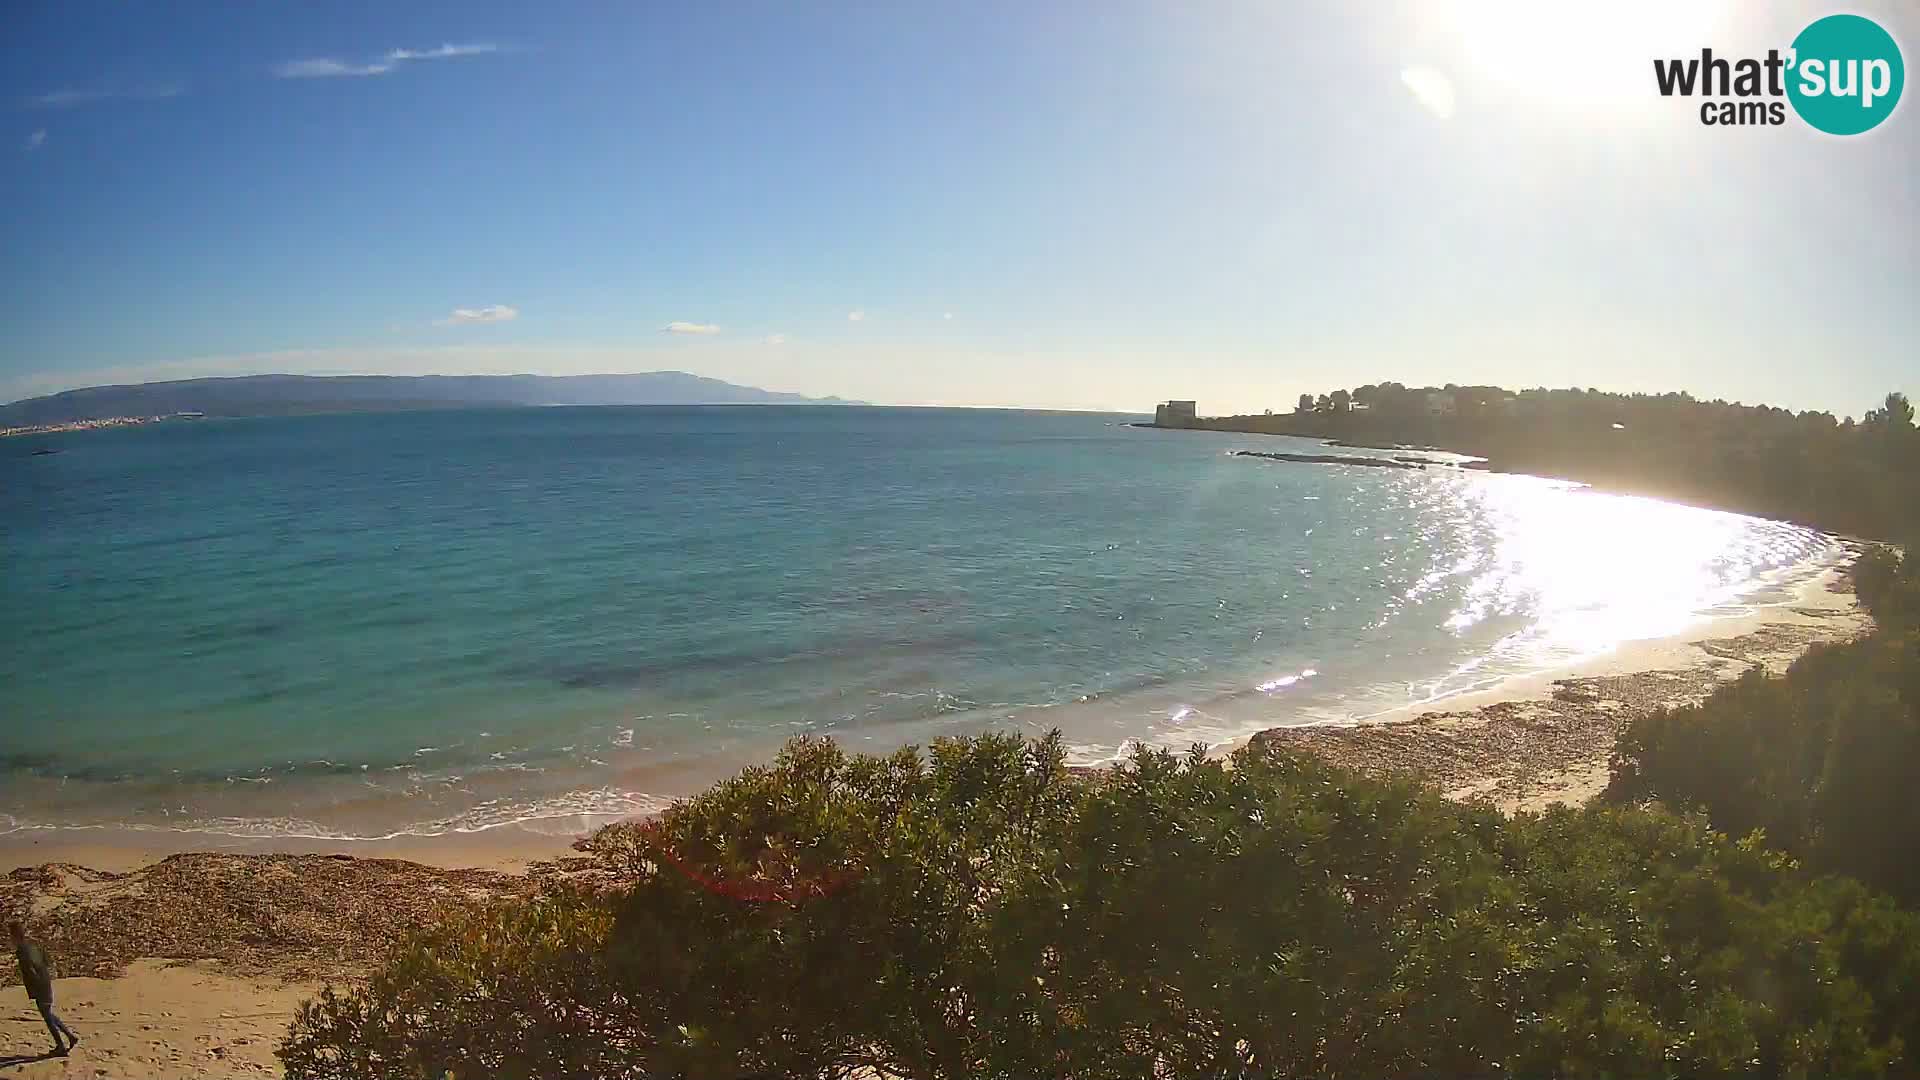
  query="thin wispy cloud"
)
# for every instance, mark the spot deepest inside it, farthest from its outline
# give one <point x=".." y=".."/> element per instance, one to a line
<point x="323" y="68"/>
<point x="444" y="52"/>
<point x="327" y="67"/>
<point x="493" y="313"/>
<point x="64" y="99"/>
<point x="947" y="316"/>
<point x="1433" y="90"/>
<point x="36" y="140"/>
<point x="678" y="327"/>
<point x="70" y="97"/>
<point x="776" y="339"/>
<point x="856" y="316"/>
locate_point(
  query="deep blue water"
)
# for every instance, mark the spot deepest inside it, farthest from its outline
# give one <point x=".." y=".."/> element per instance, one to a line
<point x="362" y="623"/>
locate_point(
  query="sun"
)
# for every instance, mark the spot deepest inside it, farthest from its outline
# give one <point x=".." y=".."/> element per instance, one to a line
<point x="1563" y="53"/>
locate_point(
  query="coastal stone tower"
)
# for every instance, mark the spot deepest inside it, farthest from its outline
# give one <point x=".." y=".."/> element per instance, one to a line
<point x="1174" y="414"/>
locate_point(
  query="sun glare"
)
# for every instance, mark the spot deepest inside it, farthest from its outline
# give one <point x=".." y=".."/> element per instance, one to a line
<point x="1575" y="54"/>
<point x="1598" y="569"/>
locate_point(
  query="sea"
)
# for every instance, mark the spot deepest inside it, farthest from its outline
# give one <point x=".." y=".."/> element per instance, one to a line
<point x="379" y="625"/>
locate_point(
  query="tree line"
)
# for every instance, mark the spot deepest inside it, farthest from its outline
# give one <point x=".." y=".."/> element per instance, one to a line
<point x="1860" y="477"/>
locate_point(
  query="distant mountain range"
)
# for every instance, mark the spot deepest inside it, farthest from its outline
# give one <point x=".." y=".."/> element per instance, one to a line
<point x="283" y="395"/>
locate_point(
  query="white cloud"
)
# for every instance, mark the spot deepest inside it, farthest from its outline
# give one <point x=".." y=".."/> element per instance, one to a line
<point x="37" y="139"/>
<point x="444" y="52"/>
<point x="776" y="339"/>
<point x="69" y="97"/>
<point x="856" y="316"/>
<point x="490" y="314"/>
<point x="327" y="67"/>
<point x="324" y="68"/>
<point x="1433" y="90"/>
<point x="948" y="316"/>
<point x="62" y="99"/>
<point x="678" y="327"/>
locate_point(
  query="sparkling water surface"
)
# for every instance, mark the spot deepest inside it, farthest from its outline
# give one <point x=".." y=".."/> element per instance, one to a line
<point x="369" y="624"/>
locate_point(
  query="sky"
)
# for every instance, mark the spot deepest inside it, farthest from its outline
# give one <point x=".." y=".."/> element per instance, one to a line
<point x="1062" y="205"/>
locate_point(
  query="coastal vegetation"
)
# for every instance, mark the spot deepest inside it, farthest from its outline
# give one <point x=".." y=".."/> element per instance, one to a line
<point x="1845" y="475"/>
<point x="982" y="910"/>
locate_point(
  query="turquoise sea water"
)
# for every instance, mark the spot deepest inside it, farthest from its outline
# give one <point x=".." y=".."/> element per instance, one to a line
<point x="360" y="625"/>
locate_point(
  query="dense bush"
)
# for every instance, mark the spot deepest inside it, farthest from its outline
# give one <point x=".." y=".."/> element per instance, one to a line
<point x="516" y="992"/>
<point x="983" y="912"/>
<point x="1824" y="760"/>
<point x="1889" y="585"/>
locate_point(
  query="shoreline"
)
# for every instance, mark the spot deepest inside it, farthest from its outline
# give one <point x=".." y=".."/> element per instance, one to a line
<point x="209" y="762"/>
<point x="1665" y="670"/>
<point x="1545" y="739"/>
<point x="184" y="960"/>
<point x="1548" y="706"/>
<point x="98" y="424"/>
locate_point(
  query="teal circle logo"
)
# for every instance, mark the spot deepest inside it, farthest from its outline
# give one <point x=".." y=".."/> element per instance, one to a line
<point x="1846" y="75"/>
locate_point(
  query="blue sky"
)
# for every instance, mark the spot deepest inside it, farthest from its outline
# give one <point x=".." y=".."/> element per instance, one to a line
<point x="1058" y="205"/>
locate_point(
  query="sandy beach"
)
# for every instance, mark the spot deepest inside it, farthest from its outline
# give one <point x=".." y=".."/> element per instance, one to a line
<point x="180" y="963"/>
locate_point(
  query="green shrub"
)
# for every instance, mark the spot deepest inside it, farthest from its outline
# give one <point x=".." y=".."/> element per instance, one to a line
<point x="981" y="911"/>
<point x="1888" y="586"/>
<point x="516" y="992"/>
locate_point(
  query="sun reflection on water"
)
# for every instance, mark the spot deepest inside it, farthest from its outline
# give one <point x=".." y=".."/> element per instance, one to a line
<point x="1587" y="570"/>
<point x="1470" y="579"/>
